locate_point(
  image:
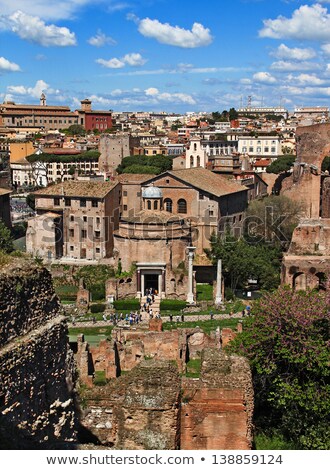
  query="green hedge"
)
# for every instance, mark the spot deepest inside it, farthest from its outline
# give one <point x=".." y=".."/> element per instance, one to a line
<point x="130" y="304"/>
<point x="67" y="292"/>
<point x="174" y="305"/>
<point x="97" y="308"/>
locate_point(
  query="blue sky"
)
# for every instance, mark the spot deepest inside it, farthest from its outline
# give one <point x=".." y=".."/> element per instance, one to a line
<point x="165" y="55"/>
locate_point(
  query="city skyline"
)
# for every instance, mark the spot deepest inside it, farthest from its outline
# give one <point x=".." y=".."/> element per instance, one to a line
<point x="157" y="55"/>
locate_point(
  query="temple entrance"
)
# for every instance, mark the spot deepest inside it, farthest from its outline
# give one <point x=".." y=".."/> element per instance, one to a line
<point x="151" y="281"/>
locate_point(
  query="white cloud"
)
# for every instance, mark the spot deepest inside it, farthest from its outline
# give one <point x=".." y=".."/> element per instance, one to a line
<point x="35" y="92"/>
<point x="159" y="97"/>
<point x="46" y="9"/>
<point x="295" y="53"/>
<point x="305" y="79"/>
<point x="7" y="66"/>
<point x="287" y="66"/>
<point x="264" y="77"/>
<point x="101" y="39"/>
<point x="112" y="63"/>
<point x="326" y="49"/>
<point x="152" y="91"/>
<point x="33" y="29"/>
<point x="164" y="33"/>
<point x="307" y="23"/>
<point x="134" y="60"/>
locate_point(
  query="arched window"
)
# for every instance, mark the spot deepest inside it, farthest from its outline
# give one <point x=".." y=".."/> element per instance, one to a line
<point x="198" y="160"/>
<point x="168" y="204"/>
<point x="195" y="147"/>
<point x="191" y="161"/>
<point x="182" y="206"/>
<point x="149" y="205"/>
<point x="155" y="205"/>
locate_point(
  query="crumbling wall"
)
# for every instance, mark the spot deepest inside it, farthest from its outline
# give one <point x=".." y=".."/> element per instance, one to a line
<point x="37" y="371"/>
<point x="217" y="409"/>
<point x="313" y="144"/>
<point x="139" y="410"/>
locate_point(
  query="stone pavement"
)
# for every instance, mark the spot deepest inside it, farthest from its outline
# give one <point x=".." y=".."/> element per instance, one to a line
<point x="187" y="318"/>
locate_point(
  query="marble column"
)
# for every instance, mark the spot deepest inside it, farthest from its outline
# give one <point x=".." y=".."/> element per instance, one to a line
<point x="218" y="294"/>
<point x="163" y="284"/>
<point x="190" y="294"/>
<point x="138" y="282"/>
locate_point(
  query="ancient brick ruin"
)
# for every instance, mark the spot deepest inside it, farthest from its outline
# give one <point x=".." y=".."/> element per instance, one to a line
<point x="147" y="402"/>
<point x="167" y="411"/>
<point x="307" y="261"/>
<point x="37" y="371"/>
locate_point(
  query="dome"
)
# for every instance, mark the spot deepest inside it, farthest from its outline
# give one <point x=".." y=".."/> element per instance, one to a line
<point x="152" y="192"/>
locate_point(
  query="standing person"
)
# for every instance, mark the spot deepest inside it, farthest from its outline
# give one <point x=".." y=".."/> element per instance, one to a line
<point x="171" y="317"/>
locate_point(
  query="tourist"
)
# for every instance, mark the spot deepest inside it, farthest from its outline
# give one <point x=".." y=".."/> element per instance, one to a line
<point x="182" y="317"/>
<point x="243" y="312"/>
<point x="94" y="320"/>
<point x="211" y="315"/>
<point x="104" y="317"/>
<point x="177" y="318"/>
<point x="171" y="317"/>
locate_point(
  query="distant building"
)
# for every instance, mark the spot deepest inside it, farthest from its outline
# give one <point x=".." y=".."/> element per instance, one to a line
<point x="93" y="119"/>
<point x="42" y="117"/>
<point x="75" y="220"/>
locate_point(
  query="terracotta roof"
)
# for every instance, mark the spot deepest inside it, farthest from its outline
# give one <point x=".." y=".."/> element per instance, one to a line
<point x="133" y="178"/>
<point x="4" y="191"/>
<point x="207" y="181"/>
<point x="264" y="162"/>
<point x="78" y="189"/>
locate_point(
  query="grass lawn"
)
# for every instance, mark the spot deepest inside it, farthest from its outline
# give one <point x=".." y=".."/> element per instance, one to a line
<point x="204" y="292"/>
<point x="207" y="326"/>
<point x="193" y="368"/>
<point x="93" y="335"/>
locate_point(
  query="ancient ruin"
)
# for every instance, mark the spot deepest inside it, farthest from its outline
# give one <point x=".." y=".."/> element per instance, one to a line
<point x="306" y="263"/>
<point x="37" y="378"/>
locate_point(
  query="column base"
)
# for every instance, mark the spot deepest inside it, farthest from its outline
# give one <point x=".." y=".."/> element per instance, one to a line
<point x="190" y="299"/>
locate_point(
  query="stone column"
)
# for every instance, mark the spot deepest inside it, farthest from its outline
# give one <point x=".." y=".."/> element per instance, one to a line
<point x="142" y="285"/>
<point x="163" y="284"/>
<point x="218" y="294"/>
<point x="138" y="283"/>
<point x="190" y="294"/>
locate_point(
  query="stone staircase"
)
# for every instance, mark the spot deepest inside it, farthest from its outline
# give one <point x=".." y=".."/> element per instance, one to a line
<point x="155" y="305"/>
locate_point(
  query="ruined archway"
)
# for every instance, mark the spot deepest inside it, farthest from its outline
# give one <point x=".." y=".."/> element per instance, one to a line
<point x="299" y="281"/>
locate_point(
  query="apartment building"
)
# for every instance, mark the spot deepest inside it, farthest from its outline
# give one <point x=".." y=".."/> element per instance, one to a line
<point x="75" y="220"/>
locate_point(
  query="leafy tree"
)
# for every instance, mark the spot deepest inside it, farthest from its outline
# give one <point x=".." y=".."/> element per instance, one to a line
<point x="272" y="220"/>
<point x="242" y="261"/>
<point x="287" y="341"/>
<point x="31" y="200"/>
<point x="159" y="164"/>
<point x="75" y="129"/>
<point x="6" y="240"/>
<point x="326" y="164"/>
<point x="233" y="114"/>
<point x="281" y="164"/>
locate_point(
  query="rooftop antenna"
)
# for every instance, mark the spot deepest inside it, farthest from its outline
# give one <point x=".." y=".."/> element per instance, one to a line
<point x="249" y="101"/>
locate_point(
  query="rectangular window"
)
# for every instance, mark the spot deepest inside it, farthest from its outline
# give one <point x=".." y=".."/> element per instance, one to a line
<point x="83" y="233"/>
<point x="125" y="193"/>
<point x="85" y="218"/>
<point x="95" y="203"/>
<point x="68" y="202"/>
<point x="98" y="220"/>
<point x="98" y="250"/>
<point x="71" y="218"/>
<point x="82" y="202"/>
<point x="71" y="248"/>
<point x="97" y="234"/>
<point x="266" y="149"/>
<point x="125" y="207"/>
<point x="71" y="232"/>
<point x="56" y="201"/>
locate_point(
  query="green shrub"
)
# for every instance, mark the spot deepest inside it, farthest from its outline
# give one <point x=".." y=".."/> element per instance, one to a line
<point x="173" y="305"/>
<point x="97" y="308"/>
<point x="67" y="292"/>
<point x="204" y="292"/>
<point x="129" y="304"/>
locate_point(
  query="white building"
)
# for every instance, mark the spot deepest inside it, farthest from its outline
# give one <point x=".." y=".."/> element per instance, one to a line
<point x="260" y="147"/>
